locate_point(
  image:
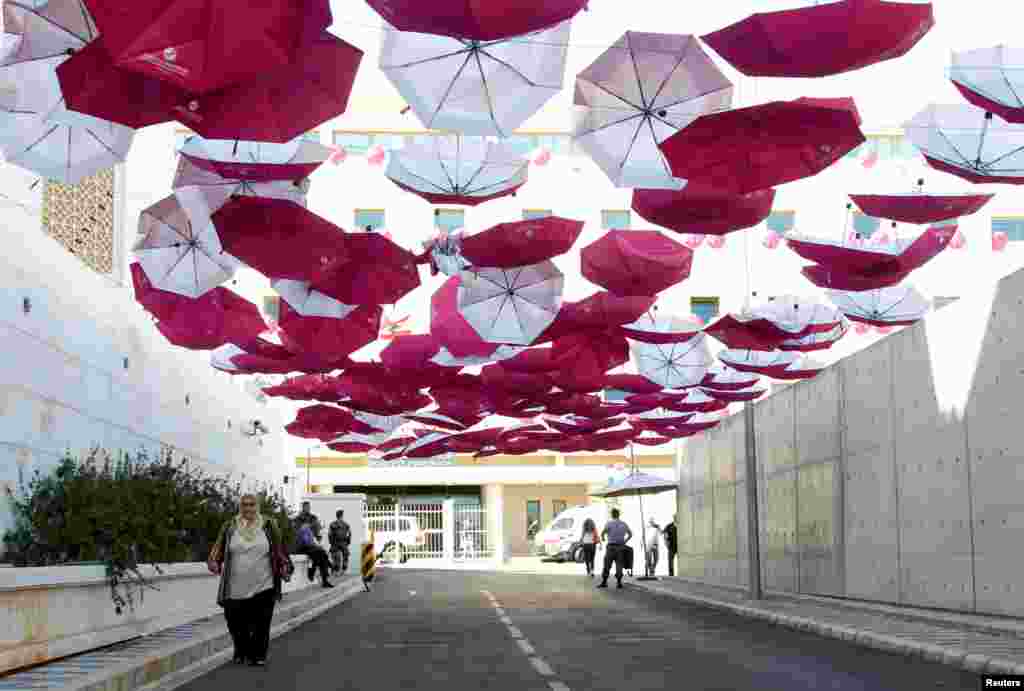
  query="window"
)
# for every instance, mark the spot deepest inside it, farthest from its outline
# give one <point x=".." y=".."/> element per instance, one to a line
<point x="563" y="524"/>
<point x="449" y="219"/>
<point x="532" y="518"/>
<point x="531" y="214"/>
<point x="272" y="307"/>
<point x="557" y="507"/>
<point x="614" y="395"/>
<point x="357" y="143"/>
<point x="1013" y="226"/>
<point x="781" y="221"/>
<point x="612" y="219"/>
<point x="312" y="136"/>
<point x="704" y="309"/>
<point x="369" y="220"/>
<point x="865" y="225"/>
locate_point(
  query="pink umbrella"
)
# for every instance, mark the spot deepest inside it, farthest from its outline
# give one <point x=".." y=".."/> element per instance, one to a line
<point x="202" y="45"/>
<point x="999" y="241"/>
<point x="209" y="191"/>
<point x="804" y="368"/>
<point x="763" y="362"/>
<point x="821" y="340"/>
<point x="255" y="162"/>
<point x="824" y="277"/>
<point x="693" y="240"/>
<point x="737" y="396"/>
<point x="824" y="39"/>
<point x="698" y="212"/>
<point x="329" y="336"/>
<point x="480" y="21"/>
<point x="603" y="310"/>
<point x="373" y="271"/>
<point x="716" y="242"/>
<point x="497" y="379"/>
<point x="739" y="331"/>
<point x="661" y="328"/>
<point x="585" y="356"/>
<point x="283" y="103"/>
<point x="918" y="207"/>
<point x="308" y="363"/>
<point x="635" y="262"/>
<point x="771" y="240"/>
<point x="633" y="383"/>
<point x="727" y="379"/>
<point x="451" y="329"/>
<point x="280" y="239"/>
<point x="758" y="147"/>
<point x="211" y="320"/>
<point x="521" y="243"/>
<point x="531" y="360"/>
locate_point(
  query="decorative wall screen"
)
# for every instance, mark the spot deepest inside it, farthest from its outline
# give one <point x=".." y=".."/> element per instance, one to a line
<point x="81" y="217"/>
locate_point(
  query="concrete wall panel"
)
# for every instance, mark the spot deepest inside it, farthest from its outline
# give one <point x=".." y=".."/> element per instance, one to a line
<point x="774" y="424"/>
<point x="818" y="504"/>
<point x="778" y="542"/>
<point x="817" y="417"/>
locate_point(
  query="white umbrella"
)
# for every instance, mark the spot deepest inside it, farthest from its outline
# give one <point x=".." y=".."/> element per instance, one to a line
<point x="308" y="302"/>
<point x="817" y="341"/>
<point x="655" y="327"/>
<point x="502" y="352"/>
<point x="992" y="78"/>
<point x="475" y="87"/>
<point x="642" y="90"/>
<point x="796" y="314"/>
<point x="511" y="305"/>
<point x="673" y="365"/>
<point x="179" y="255"/>
<point x="241" y="151"/>
<point x="214" y="191"/>
<point x="454" y="169"/>
<point x="900" y="305"/>
<point x="725" y="377"/>
<point x="968" y="142"/>
<point x="759" y="361"/>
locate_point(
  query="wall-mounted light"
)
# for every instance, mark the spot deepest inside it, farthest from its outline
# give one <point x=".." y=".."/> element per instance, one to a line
<point x="188" y="399"/>
<point x="26" y="305"/>
<point x="124" y="362"/>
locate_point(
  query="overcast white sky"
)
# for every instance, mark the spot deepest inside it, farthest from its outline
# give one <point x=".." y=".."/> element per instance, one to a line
<point x="887" y="94"/>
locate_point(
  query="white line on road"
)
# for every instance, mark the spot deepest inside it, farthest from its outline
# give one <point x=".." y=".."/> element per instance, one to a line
<point x="542" y="667"/>
<point x="558" y="686"/>
<point x="515" y="633"/>
<point x="525" y="646"/>
<point x="499" y="611"/>
<point x="505" y="620"/>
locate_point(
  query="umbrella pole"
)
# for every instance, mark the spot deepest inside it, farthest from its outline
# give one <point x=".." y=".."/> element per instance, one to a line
<point x="648" y="576"/>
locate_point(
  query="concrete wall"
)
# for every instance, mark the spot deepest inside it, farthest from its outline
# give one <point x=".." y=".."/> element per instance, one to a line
<point x="893" y="476"/>
<point x="514" y="501"/>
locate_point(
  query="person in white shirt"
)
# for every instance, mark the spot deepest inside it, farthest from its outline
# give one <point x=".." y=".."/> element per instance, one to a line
<point x="651" y="537"/>
<point x="618" y="534"/>
<point x="589" y="538"/>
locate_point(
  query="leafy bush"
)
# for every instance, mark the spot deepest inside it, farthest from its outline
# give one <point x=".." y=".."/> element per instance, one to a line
<point x="125" y="512"/>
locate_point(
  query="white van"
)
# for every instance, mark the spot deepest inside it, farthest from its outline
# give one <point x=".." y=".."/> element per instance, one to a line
<point x="402" y="537"/>
<point x="560" y="538"/>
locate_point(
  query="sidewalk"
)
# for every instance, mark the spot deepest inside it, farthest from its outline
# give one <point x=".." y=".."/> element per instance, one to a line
<point x="170" y="658"/>
<point x="981" y="644"/>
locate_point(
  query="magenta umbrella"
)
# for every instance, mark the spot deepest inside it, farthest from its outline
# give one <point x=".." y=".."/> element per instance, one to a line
<point x="281" y="104"/>
<point x="521" y="243"/>
<point x="451" y="329"/>
<point x="635" y="262"/>
<point x="329" y="337"/>
<point x="373" y="271"/>
<point x="762" y="146"/>
<point x="280" y="239"/>
<point x="205" y="45"/>
<point x="211" y="320"/>
<point x="824" y="39"/>
<point x="255" y="161"/>
<point x="701" y="211"/>
<point x="918" y="207"/>
<point x="480" y="21"/>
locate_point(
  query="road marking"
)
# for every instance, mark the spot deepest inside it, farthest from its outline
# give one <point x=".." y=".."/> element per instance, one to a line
<point x="642" y="639"/>
<point x="505" y="620"/>
<point x="516" y="633"/>
<point x="412" y="592"/>
<point x="525" y="646"/>
<point x="542" y="667"/>
<point x="499" y="610"/>
<point x="406" y="645"/>
<point x="558" y="686"/>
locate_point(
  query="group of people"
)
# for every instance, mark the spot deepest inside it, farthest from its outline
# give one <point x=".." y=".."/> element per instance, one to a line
<point x="252" y="561"/>
<point x="617" y="535"/>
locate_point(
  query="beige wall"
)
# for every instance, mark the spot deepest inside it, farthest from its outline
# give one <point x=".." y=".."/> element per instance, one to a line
<point x="515" y="498"/>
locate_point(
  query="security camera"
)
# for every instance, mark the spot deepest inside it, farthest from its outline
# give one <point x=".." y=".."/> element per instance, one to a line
<point x="255" y="429"/>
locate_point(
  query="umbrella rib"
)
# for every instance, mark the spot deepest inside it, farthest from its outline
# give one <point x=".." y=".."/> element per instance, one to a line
<point x="451" y="85"/>
<point x="431" y="182"/>
<point x="1009" y="85"/>
<point x="661" y="156"/>
<point x="636" y="71"/>
<point x="991" y="163"/>
<point x="452" y="187"/>
<point x="63" y="28"/>
<point x="512" y="68"/>
<point x="632" y="142"/>
<point x="433" y="58"/>
<point x="487" y="95"/>
<point x="609" y="124"/>
<point x="682" y="56"/>
<point x="40" y="139"/>
<point x="621" y="98"/>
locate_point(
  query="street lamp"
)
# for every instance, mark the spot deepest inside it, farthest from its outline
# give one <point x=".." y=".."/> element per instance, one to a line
<point x="309" y="487"/>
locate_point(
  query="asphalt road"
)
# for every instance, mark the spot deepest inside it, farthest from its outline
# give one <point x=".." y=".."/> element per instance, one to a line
<point x="449" y="631"/>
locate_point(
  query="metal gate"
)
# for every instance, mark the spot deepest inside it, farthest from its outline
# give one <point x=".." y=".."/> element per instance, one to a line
<point x="413" y="531"/>
<point x="471" y="532"/>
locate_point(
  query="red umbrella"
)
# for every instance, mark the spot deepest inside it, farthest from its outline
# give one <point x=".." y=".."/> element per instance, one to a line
<point x="329" y="336"/>
<point x="736" y="396"/>
<point x="762" y="146"/>
<point x="91" y="84"/>
<point x="824" y="277"/>
<point x="822" y="40"/>
<point x="498" y="379"/>
<point x="205" y="45"/>
<point x="160" y="303"/>
<point x="306" y="387"/>
<point x="481" y="21"/>
<point x="633" y="383"/>
<point x="308" y="363"/>
<point x="531" y="360"/>
<point x="278" y="238"/>
<point x="920" y="208"/>
<point x="211" y="320"/>
<point x="373" y="271"/>
<point x="740" y="334"/>
<point x="247" y="166"/>
<point x="692" y="210"/>
<point x="521" y="243"/>
<point x="698" y="401"/>
<point x="584" y="356"/>
<point x="283" y="103"/>
<point x="450" y="328"/>
<point x="635" y="262"/>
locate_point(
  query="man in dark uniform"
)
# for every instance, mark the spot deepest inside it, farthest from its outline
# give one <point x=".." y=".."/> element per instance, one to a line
<point x="672" y="543"/>
<point x="339" y="534"/>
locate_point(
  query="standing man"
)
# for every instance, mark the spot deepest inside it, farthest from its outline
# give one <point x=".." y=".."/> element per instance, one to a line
<point x="339" y="534"/>
<point x="672" y="544"/>
<point x="651" y="562"/>
<point x="617" y="534"/>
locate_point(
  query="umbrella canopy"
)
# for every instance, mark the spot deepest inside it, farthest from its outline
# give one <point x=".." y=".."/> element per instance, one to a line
<point x="821" y="340"/>
<point x="896" y="306"/>
<point x="968" y="142"/>
<point x="635" y="262"/>
<point x="178" y="255"/>
<point x="992" y="79"/>
<point x="640" y="91"/>
<point x="727" y="378"/>
<point x="255" y="161"/>
<point x="479" y="21"/>
<point x="520" y="243"/>
<point x="307" y="302"/>
<point x="373" y="271"/>
<point x="653" y="327"/>
<point x="212" y="320"/>
<point x="278" y="238"/>
<point x="825" y="39"/>
<point x="636" y="483"/>
<point x="457" y="170"/>
<point x="205" y="45"/>
<point x="702" y="212"/>
<point x="511" y="306"/>
<point x="446" y="253"/>
<point x="673" y="365"/>
<point x="475" y="87"/>
<point x="459" y="340"/>
<point x="918" y="207"/>
<point x="329" y="337"/>
<point x="764" y="362"/>
<point x="283" y="103"/>
<point x="762" y="146"/>
<point x="212" y="191"/>
<point x="826" y="277"/>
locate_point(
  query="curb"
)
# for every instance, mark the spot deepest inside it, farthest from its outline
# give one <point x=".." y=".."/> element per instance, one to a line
<point x="177" y="665"/>
<point x="954" y="657"/>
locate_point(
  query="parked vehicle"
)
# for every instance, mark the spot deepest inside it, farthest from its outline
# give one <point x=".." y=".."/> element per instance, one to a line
<point x="560" y="539"/>
<point x="398" y="535"/>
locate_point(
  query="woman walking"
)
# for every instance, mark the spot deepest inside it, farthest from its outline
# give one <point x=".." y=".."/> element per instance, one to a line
<point x="590" y="538"/>
<point x="252" y="563"/>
